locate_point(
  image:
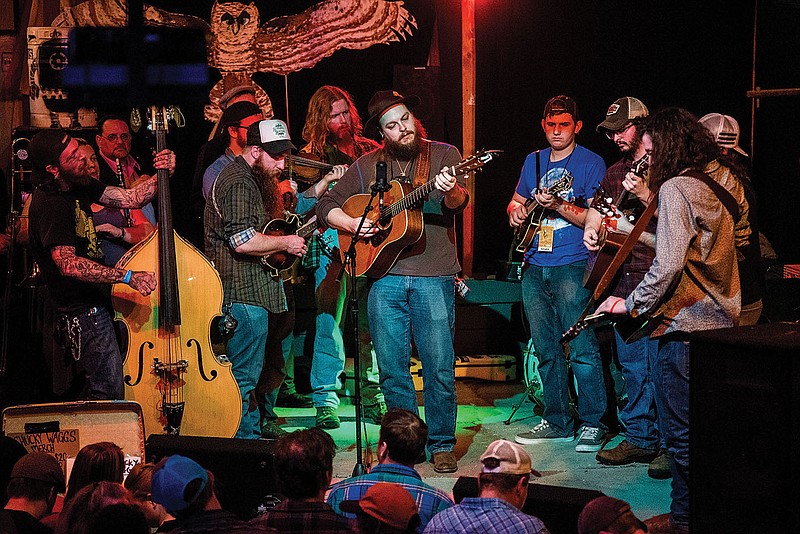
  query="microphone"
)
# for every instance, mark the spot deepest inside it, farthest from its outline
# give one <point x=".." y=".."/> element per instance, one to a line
<point x="381" y="184"/>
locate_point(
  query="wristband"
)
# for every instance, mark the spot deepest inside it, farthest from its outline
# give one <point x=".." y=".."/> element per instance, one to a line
<point x="614" y="306"/>
<point x="127" y="278"/>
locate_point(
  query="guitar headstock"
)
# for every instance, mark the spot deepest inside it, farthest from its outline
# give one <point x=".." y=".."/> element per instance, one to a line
<point x="561" y="185"/>
<point x="476" y="161"/>
<point x="603" y="204"/>
<point x="641" y="166"/>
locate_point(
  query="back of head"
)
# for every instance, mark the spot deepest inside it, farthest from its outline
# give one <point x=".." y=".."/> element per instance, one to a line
<point x="10" y="452"/>
<point x="405" y="435"/>
<point x="182" y="486"/>
<point x="35" y="476"/>
<point x="102" y="461"/>
<point x="503" y="465"/>
<point x="304" y="463"/>
<point x="119" y="518"/>
<point x="679" y="142"/>
<point x="87" y="502"/>
<point x="607" y="514"/>
<point x="385" y="507"/>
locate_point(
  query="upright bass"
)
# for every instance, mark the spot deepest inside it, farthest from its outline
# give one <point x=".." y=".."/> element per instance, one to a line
<point x="170" y="368"/>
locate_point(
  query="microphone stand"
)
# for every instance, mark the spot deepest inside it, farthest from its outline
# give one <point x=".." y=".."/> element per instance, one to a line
<point x="350" y="260"/>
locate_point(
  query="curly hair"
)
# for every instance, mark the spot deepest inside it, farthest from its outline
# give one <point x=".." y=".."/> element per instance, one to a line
<point x="680" y="142"/>
<point x="315" y="130"/>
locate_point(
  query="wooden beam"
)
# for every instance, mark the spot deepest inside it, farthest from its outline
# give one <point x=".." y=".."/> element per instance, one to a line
<point x="468" y="126"/>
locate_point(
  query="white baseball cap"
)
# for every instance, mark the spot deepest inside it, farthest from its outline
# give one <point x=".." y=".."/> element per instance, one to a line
<point x="725" y="130"/>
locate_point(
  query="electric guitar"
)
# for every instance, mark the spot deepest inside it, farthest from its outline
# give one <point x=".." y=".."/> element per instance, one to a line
<point x="629" y="328"/>
<point x="525" y="232"/>
<point x="400" y="223"/>
<point x="280" y="261"/>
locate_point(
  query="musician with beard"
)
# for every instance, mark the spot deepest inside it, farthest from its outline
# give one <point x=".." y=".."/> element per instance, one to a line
<point x="64" y="243"/>
<point x="242" y="200"/>
<point x="623" y="125"/>
<point x="417" y="295"/>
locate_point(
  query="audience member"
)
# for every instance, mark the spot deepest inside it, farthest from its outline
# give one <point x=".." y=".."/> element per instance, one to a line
<point x="119" y="518"/>
<point x="502" y="490"/>
<point x="401" y="444"/>
<point x="304" y="467"/>
<point x="83" y="507"/>
<point x="96" y="462"/>
<point x="11" y="451"/>
<point x="607" y="515"/>
<point x="35" y="480"/>
<point x="373" y="513"/>
<point x="186" y="491"/>
<point x="139" y="482"/>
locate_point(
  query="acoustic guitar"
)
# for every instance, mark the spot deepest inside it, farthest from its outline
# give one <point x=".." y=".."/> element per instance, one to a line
<point x="611" y="242"/>
<point x="525" y="232"/>
<point x="400" y="223"/>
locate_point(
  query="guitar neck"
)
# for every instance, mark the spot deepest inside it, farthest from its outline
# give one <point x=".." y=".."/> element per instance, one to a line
<point x="308" y="228"/>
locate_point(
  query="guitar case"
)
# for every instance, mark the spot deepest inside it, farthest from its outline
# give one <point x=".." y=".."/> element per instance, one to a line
<point x="62" y="429"/>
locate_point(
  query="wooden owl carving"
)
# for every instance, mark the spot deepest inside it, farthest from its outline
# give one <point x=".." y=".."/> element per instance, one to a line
<point x="240" y="46"/>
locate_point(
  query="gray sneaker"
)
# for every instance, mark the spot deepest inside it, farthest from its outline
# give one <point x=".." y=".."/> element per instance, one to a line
<point x="590" y="439"/>
<point x="541" y="433"/>
<point x="326" y="418"/>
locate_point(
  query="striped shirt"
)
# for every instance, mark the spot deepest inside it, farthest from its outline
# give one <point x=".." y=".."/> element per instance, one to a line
<point x="430" y="501"/>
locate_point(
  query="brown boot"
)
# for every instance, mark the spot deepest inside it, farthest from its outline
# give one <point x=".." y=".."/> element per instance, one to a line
<point x="444" y="462"/>
<point x="659" y="467"/>
<point x="625" y="453"/>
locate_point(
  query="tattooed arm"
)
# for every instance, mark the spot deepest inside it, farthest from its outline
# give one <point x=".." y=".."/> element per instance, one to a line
<point x="136" y="197"/>
<point x="86" y="270"/>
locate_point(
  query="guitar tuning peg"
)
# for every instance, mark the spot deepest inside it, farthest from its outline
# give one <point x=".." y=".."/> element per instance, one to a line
<point x="631" y="218"/>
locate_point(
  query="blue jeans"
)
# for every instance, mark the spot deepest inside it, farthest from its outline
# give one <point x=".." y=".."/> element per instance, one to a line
<point x="670" y="372"/>
<point x="423" y="307"/>
<point x="100" y="360"/>
<point x="639" y="415"/>
<point x="554" y="298"/>
<point x="246" y="352"/>
<point x="329" y="355"/>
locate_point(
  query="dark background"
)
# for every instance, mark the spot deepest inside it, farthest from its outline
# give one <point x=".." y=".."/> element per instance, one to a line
<point x="691" y="54"/>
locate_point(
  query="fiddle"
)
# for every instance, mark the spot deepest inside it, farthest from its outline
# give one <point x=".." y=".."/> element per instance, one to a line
<point x="306" y="167"/>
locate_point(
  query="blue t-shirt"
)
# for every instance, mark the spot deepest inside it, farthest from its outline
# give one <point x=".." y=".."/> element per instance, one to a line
<point x="585" y="169"/>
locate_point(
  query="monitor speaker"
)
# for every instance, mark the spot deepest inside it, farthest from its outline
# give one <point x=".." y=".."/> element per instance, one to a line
<point x="744" y="439"/>
<point x="242" y="468"/>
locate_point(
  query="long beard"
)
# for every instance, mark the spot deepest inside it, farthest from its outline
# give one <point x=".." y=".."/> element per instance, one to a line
<point x="267" y="180"/>
<point x="75" y="180"/>
<point x="402" y="151"/>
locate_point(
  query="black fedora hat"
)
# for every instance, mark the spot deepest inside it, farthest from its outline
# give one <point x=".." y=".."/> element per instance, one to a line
<point x="380" y="104"/>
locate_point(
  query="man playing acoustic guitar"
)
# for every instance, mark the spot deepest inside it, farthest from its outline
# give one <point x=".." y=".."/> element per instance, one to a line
<point x="417" y="294"/>
<point x="552" y="280"/>
<point x="622" y="125"/>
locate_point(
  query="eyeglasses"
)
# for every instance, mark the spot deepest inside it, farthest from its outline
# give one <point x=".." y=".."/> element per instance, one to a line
<point x="624" y="129"/>
<point x="113" y="138"/>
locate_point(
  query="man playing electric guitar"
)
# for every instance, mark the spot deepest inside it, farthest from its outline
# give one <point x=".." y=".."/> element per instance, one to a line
<point x="642" y="442"/>
<point x="552" y="288"/>
<point x="417" y="295"/>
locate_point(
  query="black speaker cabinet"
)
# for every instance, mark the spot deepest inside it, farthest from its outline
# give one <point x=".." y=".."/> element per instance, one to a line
<point x="744" y="432"/>
<point x="242" y="468"/>
<point x="558" y="507"/>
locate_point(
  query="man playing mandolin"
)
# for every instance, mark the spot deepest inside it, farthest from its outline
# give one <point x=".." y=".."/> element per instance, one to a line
<point x="622" y="125"/>
<point x="417" y="295"/>
<point x="552" y="280"/>
<point x="241" y="201"/>
<point x="65" y="245"/>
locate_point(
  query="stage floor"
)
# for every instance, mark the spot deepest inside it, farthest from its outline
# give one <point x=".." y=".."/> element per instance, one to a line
<point x="482" y="409"/>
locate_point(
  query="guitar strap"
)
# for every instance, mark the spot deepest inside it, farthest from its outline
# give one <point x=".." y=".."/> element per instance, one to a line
<point x="538" y="169"/>
<point x="625" y="249"/>
<point x="423" y="164"/>
<point x="723" y="194"/>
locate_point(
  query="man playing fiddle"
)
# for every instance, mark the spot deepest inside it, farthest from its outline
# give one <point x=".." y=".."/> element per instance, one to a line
<point x="334" y="134"/>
